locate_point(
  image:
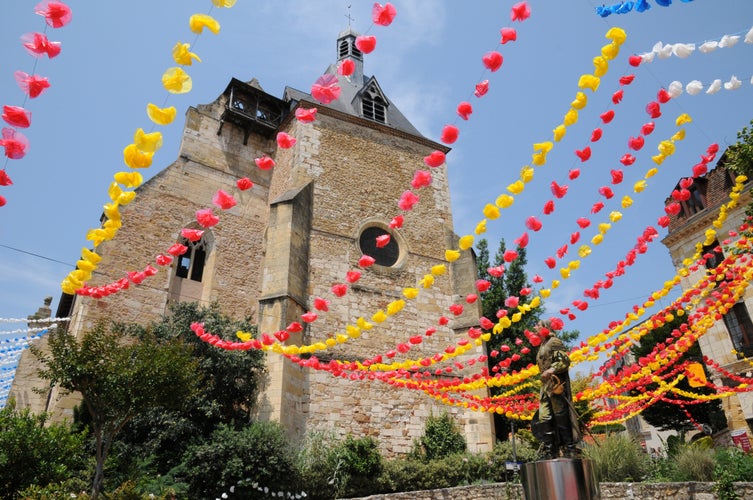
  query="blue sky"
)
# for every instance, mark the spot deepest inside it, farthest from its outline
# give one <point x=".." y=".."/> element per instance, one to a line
<point x="114" y="53"/>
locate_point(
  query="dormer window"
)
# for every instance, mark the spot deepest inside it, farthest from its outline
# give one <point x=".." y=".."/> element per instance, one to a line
<point x="373" y="105"/>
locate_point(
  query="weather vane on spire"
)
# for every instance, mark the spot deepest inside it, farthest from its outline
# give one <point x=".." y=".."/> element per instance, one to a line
<point x="349" y="16"/>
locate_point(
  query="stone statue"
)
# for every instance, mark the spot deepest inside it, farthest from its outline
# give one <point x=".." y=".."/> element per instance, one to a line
<point x="555" y="424"/>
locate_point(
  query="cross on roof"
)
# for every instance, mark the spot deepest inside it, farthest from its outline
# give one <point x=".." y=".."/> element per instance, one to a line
<point x="349" y="16"/>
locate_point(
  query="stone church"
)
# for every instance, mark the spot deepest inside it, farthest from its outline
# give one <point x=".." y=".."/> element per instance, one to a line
<point x="302" y="226"/>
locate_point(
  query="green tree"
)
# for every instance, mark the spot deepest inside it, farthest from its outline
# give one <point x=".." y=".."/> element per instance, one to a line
<point x="739" y="156"/>
<point x="227" y="395"/>
<point x="118" y="378"/>
<point x="34" y="453"/>
<point x="674" y="415"/>
<point x="441" y="437"/>
<point x="509" y="351"/>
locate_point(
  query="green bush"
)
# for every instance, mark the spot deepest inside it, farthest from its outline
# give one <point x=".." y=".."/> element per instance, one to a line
<point x="693" y="463"/>
<point x="259" y="452"/>
<point x="412" y="474"/>
<point x="502" y="453"/>
<point x="737" y="464"/>
<point x="317" y="462"/>
<point x="33" y="453"/>
<point x="359" y="462"/>
<point x="618" y="458"/>
<point x="441" y="437"/>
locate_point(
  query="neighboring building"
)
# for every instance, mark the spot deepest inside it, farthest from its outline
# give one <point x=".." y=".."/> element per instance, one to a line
<point x="302" y="226"/>
<point x="735" y="330"/>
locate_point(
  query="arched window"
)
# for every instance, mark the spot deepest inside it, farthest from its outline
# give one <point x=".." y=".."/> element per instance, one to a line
<point x="190" y="265"/>
<point x="373" y="105"/>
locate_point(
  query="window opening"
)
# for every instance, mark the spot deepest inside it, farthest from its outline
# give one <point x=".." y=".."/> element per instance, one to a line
<point x="386" y="256"/>
<point x="740" y="329"/>
<point x="191" y="264"/>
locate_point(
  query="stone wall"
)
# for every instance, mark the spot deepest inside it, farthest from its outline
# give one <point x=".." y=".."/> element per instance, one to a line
<point x="609" y="491"/>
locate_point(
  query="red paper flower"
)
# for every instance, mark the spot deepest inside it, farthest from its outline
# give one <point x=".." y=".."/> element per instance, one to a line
<point x="397" y="222"/>
<point x="464" y="110"/>
<point x="294" y="327"/>
<point x="672" y="209"/>
<point x="607" y="116"/>
<point x="481" y="88"/>
<point x="449" y="134"/>
<point x="223" y="200"/>
<point x="4" y="178"/>
<point x="422" y="178"/>
<point x="191" y="234"/>
<point x="700" y="169"/>
<point x="522" y="240"/>
<point x="206" y="218"/>
<point x="496" y="271"/>
<point x="617" y="96"/>
<point x="366" y="43"/>
<point x="38" y="45"/>
<point x="510" y="255"/>
<point x="383" y="15"/>
<point x="635" y="60"/>
<point x="596" y="208"/>
<point x="606" y="192"/>
<point x="549" y="207"/>
<point x="178" y="249"/>
<point x="627" y="159"/>
<point x="309" y="317"/>
<point x="492" y="61"/>
<point x="407" y="200"/>
<point x="353" y="276"/>
<point x="163" y="260"/>
<point x="326" y="89"/>
<point x="520" y="11"/>
<point x="346" y="67"/>
<point x="653" y="109"/>
<point x="550" y="262"/>
<point x="244" y="183"/>
<point x="663" y="221"/>
<point x="508" y="35"/>
<point x="596" y="134"/>
<point x="321" y="304"/>
<point x="482" y="285"/>
<point x="574" y="237"/>
<point x="647" y="128"/>
<point x="636" y="143"/>
<point x="556" y="324"/>
<point x="557" y="190"/>
<point x="3" y="201"/>
<point x="512" y="301"/>
<point x="16" y="116"/>
<point x="663" y="96"/>
<point x="533" y="223"/>
<point x="627" y="79"/>
<point x="573" y="174"/>
<point x="32" y="85"/>
<point x="14" y="143"/>
<point x="366" y="261"/>
<point x="383" y="240"/>
<point x="583" y="222"/>
<point x="471" y="298"/>
<point x="435" y="159"/>
<point x="584" y="154"/>
<point x="617" y="176"/>
<point x="56" y="14"/>
<point x="305" y="115"/>
<point x="456" y="309"/>
<point x="284" y="141"/>
<point x="339" y="289"/>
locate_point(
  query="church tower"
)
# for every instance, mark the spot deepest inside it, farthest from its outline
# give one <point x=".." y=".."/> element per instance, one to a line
<point x="298" y="231"/>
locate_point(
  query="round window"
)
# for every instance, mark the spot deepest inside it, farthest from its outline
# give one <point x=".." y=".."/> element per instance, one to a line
<point x="385" y="256"/>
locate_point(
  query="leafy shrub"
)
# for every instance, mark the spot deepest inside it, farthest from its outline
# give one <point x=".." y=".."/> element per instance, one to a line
<point x="441" y="437"/>
<point x="258" y="452"/>
<point x="359" y="462"/>
<point x="737" y="464"/>
<point x="618" y="458"/>
<point x="411" y="474"/>
<point x="317" y="463"/>
<point x="693" y="463"/>
<point x="32" y="453"/>
<point x="502" y="453"/>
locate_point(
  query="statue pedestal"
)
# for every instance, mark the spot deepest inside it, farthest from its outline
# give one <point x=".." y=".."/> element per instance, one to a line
<point x="559" y="479"/>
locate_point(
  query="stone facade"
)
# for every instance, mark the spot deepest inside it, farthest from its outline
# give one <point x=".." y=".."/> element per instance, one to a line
<point x="287" y="241"/>
<point x="685" y="230"/>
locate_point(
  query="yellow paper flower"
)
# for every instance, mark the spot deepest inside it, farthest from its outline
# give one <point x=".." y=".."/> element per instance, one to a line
<point x="627" y="201"/>
<point x="147" y="143"/>
<point x="565" y="272"/>
<point x="559" y="132"/>
<point x="129" y="179"/>
<point x="183" y="56"/>
<point x="466" y="242"/>
<point x="395" y="307"/>
<point x="597" y="239"/>
<point x="580" y="100"/>
<point x="504" y="201"/>
<point x="516" y="187"/>
<point x="639" y="186"/>
<point x="160" y="116"/>
<point x="610" y="51"/>
<point x="451" y="255"/>
<point x="667" y="148"/>
<point x="658" y="159"/>
<point x="651" y="172"/>
<point x="526" y="174"/>
<point x="379" y="317"/>
<point x="615" y="216"/>
<point x="410" y="293"/>
<point x="438" y="270"/>
<point x="683" y="119"/>
<point x="571" y="117"/>
<point x="589" y="82"/>
<point x="111" y="211"/>
<point x="617" y="35"/>
<point x="427" y="281"/>
<point x="604" y="227"/>
<point x="491" y="211"/>
<point x="198" y="22"/>
<point x="135" y="158"/>
<point x="538" y="159"/>
<point x="223" y="3"/>
<point x="601" y="66"/>
<point x="90" y="256"/>
<point x="679" y="135"/>
<point x="363" y="324"/>
<point x="480" y="227"/>
<point x="584" y="251"/>
<point x="176" y="81"/>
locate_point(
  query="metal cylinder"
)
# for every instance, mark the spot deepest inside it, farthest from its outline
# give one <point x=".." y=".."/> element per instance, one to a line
<point x="559" y="479"/>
